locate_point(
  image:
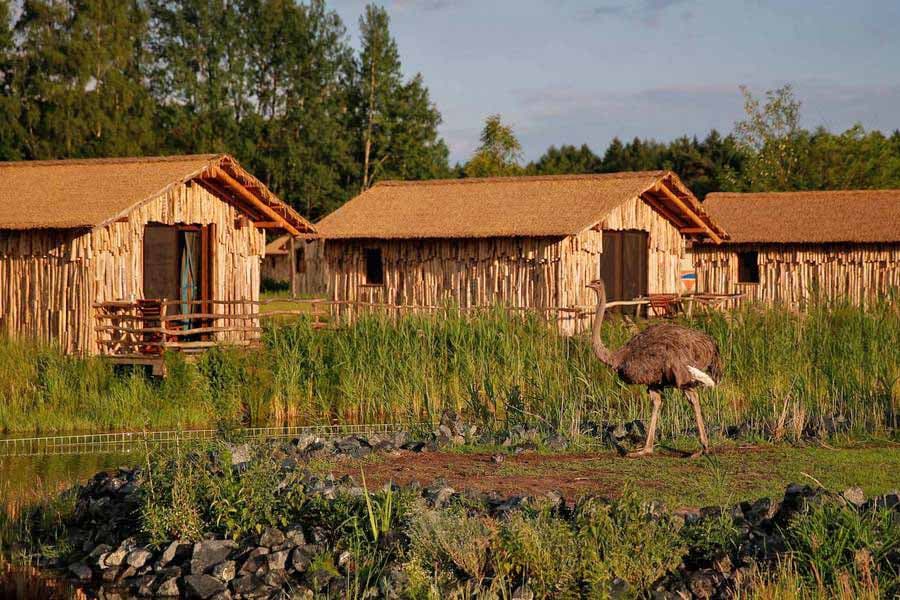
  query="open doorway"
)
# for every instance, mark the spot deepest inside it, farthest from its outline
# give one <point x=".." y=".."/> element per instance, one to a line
<point x="623" y="264"/>
<point x="178" y="266"/>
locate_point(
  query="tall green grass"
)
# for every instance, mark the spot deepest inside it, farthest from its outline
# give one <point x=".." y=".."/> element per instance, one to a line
<point x="784" y="373"/>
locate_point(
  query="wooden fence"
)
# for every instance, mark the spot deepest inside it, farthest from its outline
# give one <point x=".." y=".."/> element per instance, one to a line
<point x="141" y="331"/>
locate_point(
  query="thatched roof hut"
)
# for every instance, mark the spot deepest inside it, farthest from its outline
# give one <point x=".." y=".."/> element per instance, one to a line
<point x="791" y="247"/>
<point x="77" y="235"/>
<point x="529" y="242"/>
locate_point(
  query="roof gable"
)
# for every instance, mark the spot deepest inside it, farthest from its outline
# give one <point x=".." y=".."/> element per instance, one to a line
<point x="808" y="217"/>
<point x="72" y="194"/>
<point x="510" y="206"/>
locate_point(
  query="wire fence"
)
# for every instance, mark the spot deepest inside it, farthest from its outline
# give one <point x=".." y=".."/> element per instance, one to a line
<point x="124" y="442"/>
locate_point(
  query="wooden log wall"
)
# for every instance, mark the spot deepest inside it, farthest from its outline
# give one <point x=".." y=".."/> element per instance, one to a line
<point x="49" y="281"/>
<point x="583" y="253"/>
<point x="521" y="272"/>
<point x="793" y="274"/>
<point x="45" y="287"/>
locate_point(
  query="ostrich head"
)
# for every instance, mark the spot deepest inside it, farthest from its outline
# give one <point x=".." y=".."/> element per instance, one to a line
<point x="598" y="286"/>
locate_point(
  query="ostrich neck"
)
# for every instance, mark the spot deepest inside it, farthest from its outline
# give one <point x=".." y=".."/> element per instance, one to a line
<point x="600" y="350"/>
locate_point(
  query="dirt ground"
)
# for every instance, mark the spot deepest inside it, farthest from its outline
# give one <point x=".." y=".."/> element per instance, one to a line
<point x="731" y="474"/>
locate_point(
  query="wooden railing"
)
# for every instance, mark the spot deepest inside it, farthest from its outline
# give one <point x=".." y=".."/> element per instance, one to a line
<point x="151" y="327"/>
<point x="148" y="328"/>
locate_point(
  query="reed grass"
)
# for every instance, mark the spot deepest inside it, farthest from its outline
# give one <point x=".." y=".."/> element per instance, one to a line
<point x="786" y="373"/>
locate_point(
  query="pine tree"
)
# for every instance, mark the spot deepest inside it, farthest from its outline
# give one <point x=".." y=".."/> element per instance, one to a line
<point x="397" y="121"/>
<point x="10" y="102"/>
<point x="78" y="79"/>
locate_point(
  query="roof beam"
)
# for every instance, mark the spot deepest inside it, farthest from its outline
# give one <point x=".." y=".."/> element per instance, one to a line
<point x="659" y="207"/>
<point x="267" y="224"/>
<point x="690" y="213"/>
<point x="241" y="191"/>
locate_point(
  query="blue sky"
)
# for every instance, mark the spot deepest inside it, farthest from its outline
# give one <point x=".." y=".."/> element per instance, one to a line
<point x="584" y="71"/>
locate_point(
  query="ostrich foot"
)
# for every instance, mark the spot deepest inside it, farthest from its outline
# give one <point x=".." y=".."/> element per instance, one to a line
<point x="639" y="453"/>
<point x="699" y="453"/>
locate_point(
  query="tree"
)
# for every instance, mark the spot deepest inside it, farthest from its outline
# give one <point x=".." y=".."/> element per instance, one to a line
<point x="499" y="152"/>
<point x="77" y="79"/>
<point x="397" y="121"/>
<point x="566" y="159"/>
<point x="772" y="139"/>
<point x="10" y="102"/>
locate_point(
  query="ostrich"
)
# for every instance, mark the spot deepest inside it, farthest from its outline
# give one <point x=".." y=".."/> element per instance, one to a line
<point x="660" y="357"/>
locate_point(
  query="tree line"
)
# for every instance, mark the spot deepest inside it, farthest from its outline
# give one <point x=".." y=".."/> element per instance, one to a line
<point x="768" y="150"/>
<point x="276" y="83"/>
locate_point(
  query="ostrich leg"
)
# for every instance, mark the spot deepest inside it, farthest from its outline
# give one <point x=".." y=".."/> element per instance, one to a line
<point x="701" y="428"/>
<point x="651" y="432"/>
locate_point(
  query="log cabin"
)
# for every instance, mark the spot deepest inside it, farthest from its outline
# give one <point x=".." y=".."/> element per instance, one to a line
<point x="295" y="264"/>
<point x="525" y="242"/>
<point x="792" y="248"/>
<point x="129" y="256"/>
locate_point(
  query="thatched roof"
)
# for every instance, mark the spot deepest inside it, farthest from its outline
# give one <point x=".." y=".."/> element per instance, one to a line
<point x="510" y="206"/>
<point x="69" y="194"/>
<point x="278" y="246"/>
<point x="808" y="217"/>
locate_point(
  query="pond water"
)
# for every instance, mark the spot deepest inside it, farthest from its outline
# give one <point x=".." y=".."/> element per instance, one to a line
<point x="25" y="479"/>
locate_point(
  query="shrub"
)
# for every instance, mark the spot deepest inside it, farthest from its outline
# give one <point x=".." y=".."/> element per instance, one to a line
<point x="453" y="541"/>
<point x="540" y="549"/>
<point x="625" y="539"/>
<point x="831" y="544"/>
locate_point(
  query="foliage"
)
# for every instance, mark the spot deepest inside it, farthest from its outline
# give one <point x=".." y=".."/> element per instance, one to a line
<point x="542" y="550"/>
<point x="827" y="363"/>
<point x="625" y="539"/>
<point x="831" y="543"/>
<point x="499" y="153"/>
<point x="453" y="542"/>
<point x="397" y="121"/>
<point x="274" y="83"/>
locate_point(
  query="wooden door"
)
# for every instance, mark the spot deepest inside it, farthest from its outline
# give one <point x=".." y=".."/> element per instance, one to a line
<point x="624" y="264"/>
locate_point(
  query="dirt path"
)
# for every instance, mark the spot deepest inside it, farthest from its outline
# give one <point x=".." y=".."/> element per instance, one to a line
<point x="731" y="474"/>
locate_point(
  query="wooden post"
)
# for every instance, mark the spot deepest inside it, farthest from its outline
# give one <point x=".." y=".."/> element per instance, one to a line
<point x="293" y="255"/>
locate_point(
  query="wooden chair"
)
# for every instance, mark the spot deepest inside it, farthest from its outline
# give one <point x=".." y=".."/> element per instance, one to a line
<point x="663" y="305"/>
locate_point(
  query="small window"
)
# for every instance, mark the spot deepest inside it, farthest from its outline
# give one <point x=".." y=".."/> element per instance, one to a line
<point x="374" y="266"/>
<point x="299" y="263"/>
<point x="748" y="267"/>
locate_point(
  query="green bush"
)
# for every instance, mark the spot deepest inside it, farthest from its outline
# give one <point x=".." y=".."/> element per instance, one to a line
<point x="626" y="540"/>
<point x="830" y="543"/>
<point x="542" y="551"/>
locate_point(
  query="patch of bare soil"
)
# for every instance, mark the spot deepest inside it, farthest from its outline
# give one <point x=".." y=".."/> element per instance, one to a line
<point x="533" y="474"/>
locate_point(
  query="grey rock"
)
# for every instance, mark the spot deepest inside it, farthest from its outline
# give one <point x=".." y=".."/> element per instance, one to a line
<point x="176" y="551"/>
<point x="210" y="552"/>
<point x="250" y="586"/>
<point x="854" y="496"/>
<point x="255" y="560"/>
<point x="139" y="557"/>
<point x="114" y="558"/>
<point x="81" y="571"/>
<point x="240" y="454"/>
<point x="301" y="559"/>
<point x="202" y="586"/>
<point x="225" y="571"/>
<point x="294" y="536"/>
<point x="271" y="537"/>
<point x="144" y="586"/>
<point x="277" y="561"/>
<point x="168" y="587"/>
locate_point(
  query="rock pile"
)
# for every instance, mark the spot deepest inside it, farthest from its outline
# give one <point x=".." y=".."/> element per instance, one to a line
<point x="278" y="561"/>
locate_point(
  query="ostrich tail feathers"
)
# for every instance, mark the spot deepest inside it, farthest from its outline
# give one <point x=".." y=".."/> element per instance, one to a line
<point x="701" y="377"/>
